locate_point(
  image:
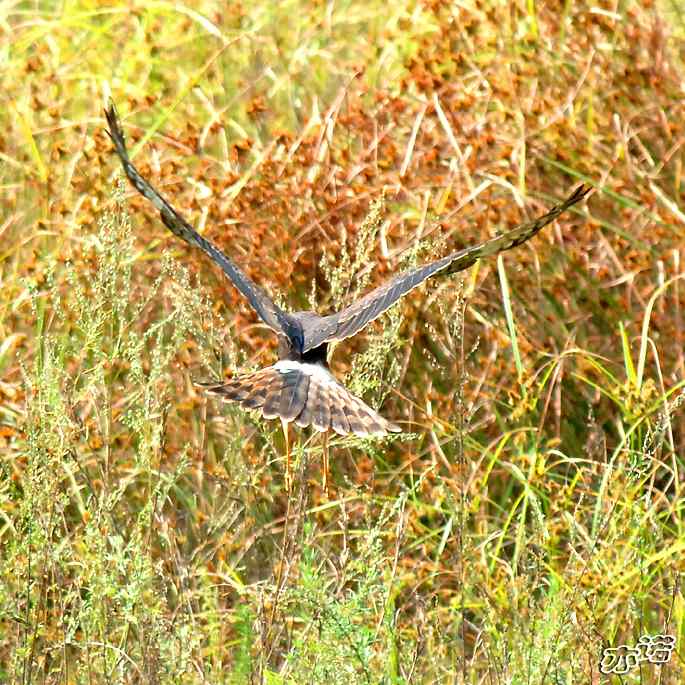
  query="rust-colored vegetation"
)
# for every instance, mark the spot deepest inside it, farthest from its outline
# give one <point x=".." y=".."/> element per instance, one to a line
<point x="530" y="516"/>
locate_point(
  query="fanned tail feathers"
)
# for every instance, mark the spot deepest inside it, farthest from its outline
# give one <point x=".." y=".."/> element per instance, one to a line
<point x="306" y="394"/>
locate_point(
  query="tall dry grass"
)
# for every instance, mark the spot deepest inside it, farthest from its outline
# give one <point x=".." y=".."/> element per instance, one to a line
<point x="532" y="514"/>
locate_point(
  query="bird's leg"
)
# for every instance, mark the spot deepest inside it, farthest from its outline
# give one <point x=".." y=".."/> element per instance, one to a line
<point x="288" y="475"/>
<point x="325" y="462"/>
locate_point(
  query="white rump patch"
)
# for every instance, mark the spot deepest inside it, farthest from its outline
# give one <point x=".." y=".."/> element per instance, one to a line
<point x="316" y="371"/>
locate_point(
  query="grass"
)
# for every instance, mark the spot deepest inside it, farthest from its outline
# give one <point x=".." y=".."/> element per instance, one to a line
<point x="530" y="515"/>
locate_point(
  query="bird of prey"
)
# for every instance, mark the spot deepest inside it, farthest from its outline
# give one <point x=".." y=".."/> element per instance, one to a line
<point x="299" y="387"/>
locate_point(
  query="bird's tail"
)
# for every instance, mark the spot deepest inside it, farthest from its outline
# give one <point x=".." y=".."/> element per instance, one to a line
<point x="307" y="394"/>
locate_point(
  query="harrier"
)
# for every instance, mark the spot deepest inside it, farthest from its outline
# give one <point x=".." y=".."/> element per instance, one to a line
<point x="299" y="387"/>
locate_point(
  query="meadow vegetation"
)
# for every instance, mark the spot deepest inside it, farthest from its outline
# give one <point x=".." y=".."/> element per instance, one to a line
<point x="532" y="512"/>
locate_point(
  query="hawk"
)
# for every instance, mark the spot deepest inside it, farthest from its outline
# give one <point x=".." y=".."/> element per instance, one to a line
<point x="300" y="387"/>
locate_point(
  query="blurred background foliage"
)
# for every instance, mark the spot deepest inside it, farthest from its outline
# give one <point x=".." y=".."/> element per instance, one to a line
<point x="532" y="513"/>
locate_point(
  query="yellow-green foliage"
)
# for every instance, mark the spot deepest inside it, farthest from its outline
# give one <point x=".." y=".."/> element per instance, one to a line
<point x="530" y="515"/>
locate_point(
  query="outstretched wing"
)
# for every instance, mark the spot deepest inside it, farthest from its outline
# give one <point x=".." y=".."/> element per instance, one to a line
<point x="272" y="315"/>
<point x="352" y="319"/>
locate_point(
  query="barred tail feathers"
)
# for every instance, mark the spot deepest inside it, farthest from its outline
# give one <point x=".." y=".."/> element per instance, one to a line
<point x="308" y="395"/>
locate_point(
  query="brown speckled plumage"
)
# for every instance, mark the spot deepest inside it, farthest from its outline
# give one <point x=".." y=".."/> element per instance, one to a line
<point x="306" y="394"/>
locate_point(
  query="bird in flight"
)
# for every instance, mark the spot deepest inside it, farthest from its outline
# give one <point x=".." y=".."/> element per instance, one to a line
<point x="299" y="387"/>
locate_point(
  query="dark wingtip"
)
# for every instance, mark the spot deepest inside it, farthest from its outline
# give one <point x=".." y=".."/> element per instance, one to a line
<point x="114" y="132"/>
<point x="111" y="115"/>
<point x="581" y="192"/>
